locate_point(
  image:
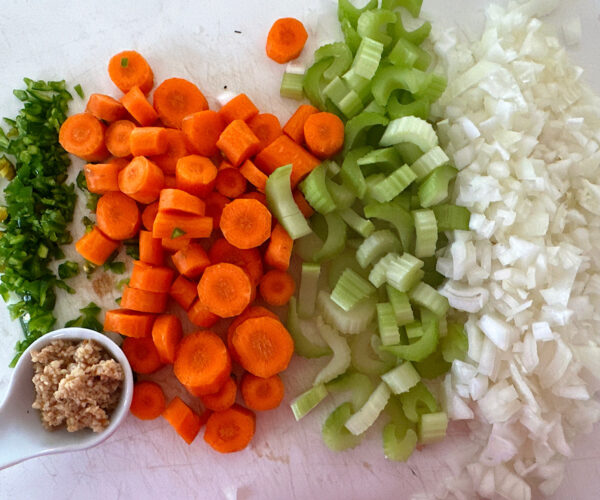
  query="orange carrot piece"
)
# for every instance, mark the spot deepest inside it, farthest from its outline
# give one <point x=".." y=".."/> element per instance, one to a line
<point x="201" y="316"/>
<point x="175" y="98"/>
<point x="230" y="182"/>
<point x="176" y="200"/>
<point x="238" y="142"/>
<point x="183" y="291"/>
<point x="286" y="40"/>
<point x="246" y="223"/>
<point x="261" y="394"/>
<point x="129" y="323"/>
<point x="151" y="250"/>
<point x="101" y="177"/>
<point x="117" y="216"/>
<point x="196" y="175"/>
<point x="151" y="278"/>
<point x="128" y="69"/>
<point x="105" y="107"/>
<point x="148" y="141"/>
<point x="215" y="203"/>
<point x="279" y="251"/>
<point x="224" y="164"/>
<point x="192" y="226"/>
<point x="230" y="430"/>
<point x="141" y="354"/>
<point x="137" y="105"/>
<point x="120" y="163"/>
<point x="117" y="137"/>
<point x="142" y="180"/>
<point x="225" y="289"/>
<point x="149" y="214"/>
<point x="253" y="175"/>
<point x="170" y="182"/>
<point x="148" y="401"/>
<point x="176" y="148"/>
<point x="294" y="128"/>
<point x="173" y="245"/>
<point x="283" y="151"/>
<point x="249" y="312"/>
<point x="248" y="259"/>
<point x="266" y="127"/>
<point x="202" y="131"/>
<point x="222" y="399"/>
<point x="181" y="417"/>
<point x="324" y="134"/>
<point x="239" y="108"/>
<point x="276" y="287"/>
<point x="303" y="205"/>
<point x="191" y="261"/>
<point x="83" y="135"/>
<point x="202" y="362"/>
<point x="263" y="345"/>
<point x="96" y="247"/>
<point x="255" y="195"/>
<point x="143" y="301"/>
<point x="166" y="334"/>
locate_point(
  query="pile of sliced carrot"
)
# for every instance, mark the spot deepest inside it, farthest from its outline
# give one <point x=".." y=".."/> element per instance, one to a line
<point x="189" y="183"/>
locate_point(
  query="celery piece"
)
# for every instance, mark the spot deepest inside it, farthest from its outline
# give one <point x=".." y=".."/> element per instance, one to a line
<point x="382" y="160"/>
<point x="432" y="88"/>
<point x="396" y="215"/>
<point x="402" y="378"/>
<point x="428" y="162"/>
<point x="351" y="104"/>
<point x="336" y="90"/>
<point x="347" y="10"/>
<point x="350" y="289"/>
<point x="350" y="173"/>
<point x="434" y="189"/>
<point x="306" y="401"/>
<point x="292" y="86"/>
<point x="339" y="55"/>
<point x="398" y="443"/>
<point x="389" y="79"/>
<point x="386" y="324"/>
<point x="403" y="272"/>
<point x="340" y="361"/>
<point x="307" y="246"/>
<point x="419" y="108"/>
<point x="331" y="168"/>
<point x="414" y="330"/>
<point x="433" y="365"/>
<point x="373" y="24"/>
<point x="303" y="346"/>
<point x="426" y="232"/>
<point x="393" y="184"/>
<point x="358" y="127"/>
<point x="335" y="241"/>
<point x="410" y="153"/>
<point x="420" y="349"/>
<point x="348" y="322"/>
<point x="378" y="274"/>
<point x="450" y="217"/>
<point x="281" y="203"/>
<point x="401" y="305"/>
<point x="334" y="433"/>
<point x="455" y="344"/>
<point x="314" y="83"/>
<point x="432" y="427"/>
<point x="359" y="384"/>
<point x="412" y="6"/>
<point x="371" y="181"/>
<point x="367" y="57"/>
<point x="417" y="36"/>
<point x="410" y="129"/>
<point x="347" y="259"/>
<point x="408" y="54"/>
<point x="374" y="107"/>
<point x="428" y="297"/>
<point x="309" y="286"/>
<point x="351" y="37"/>
<point x="366" y="416"/>
<point x="342" y="196"/>
<point x="361" y="85"/>
<point x="365" y="359"/>
<point x="417" y="401"/>
<point x="362" y="226"/>
<point x="314" y="187"/>
<point x="375" y="246"/>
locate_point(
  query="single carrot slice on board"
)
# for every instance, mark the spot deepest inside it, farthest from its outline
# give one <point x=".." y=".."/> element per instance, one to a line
<point x="196" y="175"/>
<point x="238" y="108"/>
<point x="101" y="178"/>
<point x="276" y="287"/>
<point x="148" y="401"/>
<point x="184" y="226"/>
<point x="118" y="216"/>
<point x="249" y="312"/>
<point x="181" y="417"/>
<point x="246" y="223"/>
<point x="129" y="323"/>
<point x="166" y="334"/>
<point x="148" y="141"/>
<point x="249" y="259"/>
<point x="141" y="180"/>
<point x="191" y="261"/>
<point x="176" y="148"/>
<point x="286" y="40"/>
<point x="294" y="128"/>
<point x="83" y="135"/>
<point x="143" y="301"/>
<point x="324" y="134"/>
<point x="175" y="98"/>
<point x="151" y="278"/>
<point x="151" y="250"/>
<point x="230" y="182"/>
<point x="202" y="130"/>
<point x="137" y="105"/>
<point x="141" y="354"/>
<point x="225" y="289"/>
<point x="261" y="394"/>
<point x="129" y="69"/>
<point x="96" y="247"/>
<point x="105" y="107"/>
<point x="184" y="292"/>
<point x="178" y="201"/>
<point x="201" y="316"/>
<point x="222" y="399"/>
<point x="266" y="127"/>
<point x="230" y="430"/>
<point x="117" y="137"/>
<point x="253" y="175"/>
<point x="238" y="142"/>
<point x="279" y="251"/>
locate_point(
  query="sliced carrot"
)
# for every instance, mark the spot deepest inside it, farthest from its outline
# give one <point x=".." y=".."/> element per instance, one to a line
<point x="246" y="223"/>
<point x="261" y="394"/>
<point x="253" y="175"/>
<point x="83" y="135"/>
<point x="202" y="362"/>
<point x="96" y="247"/>
<point x="191" y="261"/>
<point x="129" y="323"/>
<point x="166" y="334"/>
<point x="120" y="163"/>
<point x="143" y="301"/>
<point x="230" y="430"/>
<point x="249" y="312"/>
<point x="248" y="259"/>
<point x="215" y="203"/>
<point x="118" y="216"/>
<point x="279" y="251"/>
<point x="238" y="142"/>
<point x="105" y="107"/>
<point x="117" y="137"/>
<point x="196" y="175"/>
<point x="142" y="180"/>
<point x="148" y="141"/>
<point x="202" y="131"/>
<point x="222" y="399"/>
<point x="141" y="354"/>
<point x="128" y="69"/>
<point x="255" y="195"/>
<point x="148" y="401"/>
<point x="175" y="98"/>
<point x="176" y="200"/>
<point x="101" y="177"/>
<point x="181" y="417"/>
<point x="137" y="105"/>
<point x="151" y="278"/>
<point x="225" y="289"/>
<point x="230" y="182"/>
<point x="184" y="292"/>
<point x="266" y="127"/>
<point x="239" y="108"/>
<point x="263" y="345"/>
<point x="172" y="245"/>
<point x="224" y="164"/>
<point x="303" y="205"/>
<point x="201" y="316"/>
<point x="149" y="214"/>
<point x="276" y="287"/>
<point x="151" y="250"/>
<point x="283" y="151"/>
<point x="168" y="225"/>
<point x="286" y="40"/>
<point x="176" y="148"/>
<point x="294" y="128"/>
<point x="324" y="134"/>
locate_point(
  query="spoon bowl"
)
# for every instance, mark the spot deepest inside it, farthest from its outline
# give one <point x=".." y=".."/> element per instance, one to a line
<point x="21" y="431"/>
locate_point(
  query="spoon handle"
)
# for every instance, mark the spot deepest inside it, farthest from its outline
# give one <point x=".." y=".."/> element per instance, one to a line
<point x="15" y="446"/>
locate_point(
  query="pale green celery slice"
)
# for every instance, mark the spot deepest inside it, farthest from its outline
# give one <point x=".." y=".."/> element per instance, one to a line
<point x="366" y="416"/>
<point x="404" y="272"/>
<point x="336" y="90"/>
<point x="306" y="401"/>
<point x="348" y="322"/>
<point x="378" y="274"/>
<point x="398" y="216"/>
<point x="417" y="36"/>
<point x="351" y="174"/>
<point x="376" y="246"/>
<point x="359" y="384"/>
<point x="351" y="104"/>
<point x="433" y="87"/>
<point x="367" y="57"/>
<point x="426" y="233"/>
<point x="314" y="188"/>
<point x="358" y="127"/>
<point x="426" y="296"/>
<point x="371" y="182"/>
<point x="428" y="162"/>
<point x="364" y="227"/>
<point x="410" y="129"/>
<point x="314" y="82"/>
<point x="375" y="107"/>
<point x="398" y="442"/>
<point x="434" y="189"/>
<point x="390" y="187"/>
<point x="339" y="55"/>
<point x="309" y="287"/>
<point x="410" y="152"/>
<point x="408" y="54"/>
<point x="390" y="79"/>
<point x="307" y="246"/>
<point x="432" y="427"/>
<point x="335" y="241"/>
<point x="454" y="344"/>
<point x="334" y="433"/>
<point x="418" y="400"/>
<point x="420" y="349"/>
<point x="397" y="109"/>
<point x="383" y="160"/>
<point x="386" y="323"/>
<point x="401" y="305"/>
<point x="331" y="168"/>
<point x="450" y="217"/>
<point x="292" y="86"/>
<point x="342" y="196"/>
<point x="303" y="346"/>
<point x="365" y="359"/>
<point x="347" y="259"/>
<point x="347" y="10"/>
<point x="360" y="85"/>
<point x="341" y="358"/>
<point x="414" y="330"/>
<point x="401" y="378"/>
<point x="384" y="356"/>
<point x="371" y="23"/>
<point x="412" y="6"/>
<point x="350" y="289"/>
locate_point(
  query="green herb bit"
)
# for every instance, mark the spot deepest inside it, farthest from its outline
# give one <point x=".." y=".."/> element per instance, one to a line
<point x="88" y="318"/>
<point x="122" y="283"/>
<point x="79" y="90"/>
<point x="68" y="269"/>
<point x="124" y="62"/>
<point x="177" y="232"/>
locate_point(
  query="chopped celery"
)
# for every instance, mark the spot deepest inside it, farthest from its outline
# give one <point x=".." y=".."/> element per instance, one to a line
<point x="371" y="182"/>
<point x="404" y="272"/>
<point x="378" y="274"/>
<point x="455" y="344"/>
<point x="402" y="378"/>
<point x="390" y="187"/>
<point x="417" y="36"/>
<point x="374" y="107"/>
<point x="292" y="86"/>
<point x="432" y="366"/>
<point x="435" y="188"/>
<point x="304" y="403"/>
<point x="412" y="6"/>
<point x="340" y="361"/>
<point x="359" y="384"/>
<point x="351" y="37"/>
<point x="426" y="232"/>
<point x="408" y="54"/>
<point x="309" y="286"/>
<point x="349" y="322"/>
<point x="419" y="108"/>
<point x="410" y="129"/>
<point x="389" y="79"/>
<point x="350" y="173"/>
<point x="414" y="330"/>
<point x="339" y="55"/>
<point x="307" y="246"/>
<point x="366" y="416"/>
<point x="428" y="297"/>
<point x="335" y="435"/>
<point x="409" y="152"/>
<point x="350" y="289"/>
<point x="373" y="24"/>
<point x="303" y="346"/>
<point x="398" y="216"/>
<point x="331" y="168"/>
<point x="357" y="129"/>
<point x="362" y="226"/>
<point x="347" y="10"/>
<point x="383" y="160"/>
<point x="351" y="104"/>
<point x="432" y="88"/>
<point x="361" y="85"/>
<point x="347" y="259"/>
<point x="342" y="196"/>
<point x="401" y="305"/>
<point x="419" y="350"/>
<point x="417" y="401"/>
<point x="315" y="190"/>
<point x="432" y="427"/>
<point x="335" y="241"/>
<point x="386" y="324"/>
<point x="314" y="83"/>
<point x="336" y="90"/>
<point x="399" y="441"/>
<point x="450" y="217"/>
<point x="365" y="359"/>
<point x="367" y="57"/>
<point x="427" y="163"/>
<point x="376" y="246"/>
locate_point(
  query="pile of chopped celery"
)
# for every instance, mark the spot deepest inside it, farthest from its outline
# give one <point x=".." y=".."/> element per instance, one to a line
<point x="368" y="291"/>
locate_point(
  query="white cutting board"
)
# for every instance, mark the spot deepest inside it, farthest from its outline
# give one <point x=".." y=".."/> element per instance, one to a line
<point x="198" y="40"/>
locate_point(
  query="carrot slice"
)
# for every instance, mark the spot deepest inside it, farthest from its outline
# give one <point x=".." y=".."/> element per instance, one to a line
<point x="202" y="362"/>
<point x="294" y="128"/>
<point x="184" y="292"/>
<point x="279" y="251"/>
<point x="117" y="137"/>
<point x="83" y="135"/>
<point x="176" y="148"/>
<point x="286" y="40"/>
<point x="246" y="223"/>
<point x="148" y="401"/>
<point x="151" y="250"/>
<point x="255" y="195"/>
<point x="230" y="430"/>
<point x="238" y="142"/>
<point x="137" y="105"/>
<point x="215" y="203"/>
<point x="128" y="69"/>
<point x="142" y="180"/>
<point x="181" y="417"/>
<point x="225" y="289"/>
<point x="149" y="214"/>
<point x="222" y="399"/>
<point x="276" y="287"/>
<point x="261" y="394"/>
<point x="143" y="301"/>
<point x="105" y="107"/>
<point x="263" y="345"/>
<point x="175" y="98"/>
<point x="249" y="312"/>
<point x="196" y="175"/>
<point x="202" y="131"/>
<point x="303" y="205"/>
<point x="266" y="127"/>
<point x="248" y="259"/>
<point x="173" y="245"/>
<point x="117" y="216"/>
<point x="168" y="225"/>
<point x="129" y="323"/>
<point x="230" y="182"/>
<point x="324" y="134"/>
<point x="176" y="200"/>
<point x="96" y="247"/>
<point x="141" y="354"/>
<point x="101" y="177"/>
<point x="148" y="141"/>
<point x="253" y="175"/>
<point x="166" y="334"/>
<point x="191" y="261"/>
<point x="201" y="316"/>
<point x="239" y="108"/>
<point x="120" y="163"/>
<point x="151" y="278"/>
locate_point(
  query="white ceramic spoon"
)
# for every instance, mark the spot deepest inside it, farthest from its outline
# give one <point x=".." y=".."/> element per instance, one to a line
<point x="22" y="435"/>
